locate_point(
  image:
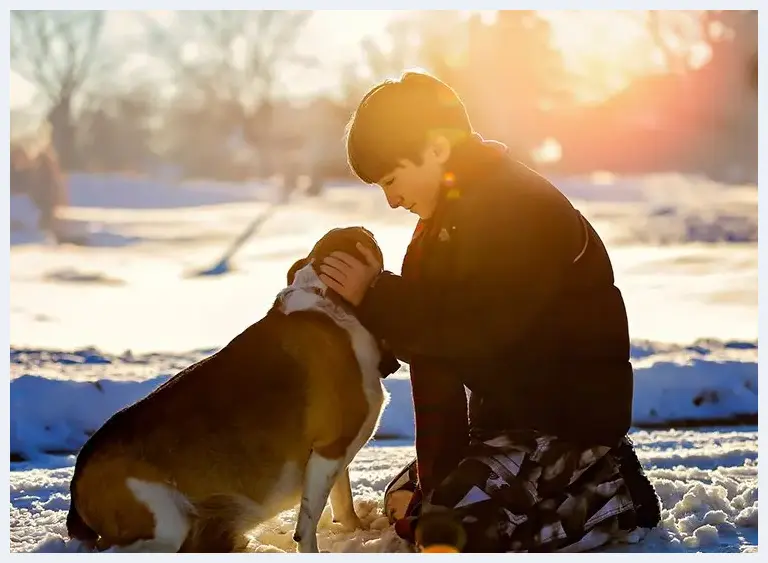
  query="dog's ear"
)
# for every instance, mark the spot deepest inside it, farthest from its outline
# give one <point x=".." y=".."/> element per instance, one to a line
<point x="298" y="265"/>
<point x="369" y="234"/>
<point x="375" y="245"/>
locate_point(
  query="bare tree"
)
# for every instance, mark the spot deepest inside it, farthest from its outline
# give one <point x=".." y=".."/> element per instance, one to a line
<point x="399" y="51"/>
<point x="57" y="52"/>
<point x="228" y="63"/>
<point x="115" y="131"/>
<point x="229" y="56"/>
<point x="412" y="40"/>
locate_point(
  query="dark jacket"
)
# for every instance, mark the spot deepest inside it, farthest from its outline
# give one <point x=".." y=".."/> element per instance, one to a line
<point x="496" y="303"/>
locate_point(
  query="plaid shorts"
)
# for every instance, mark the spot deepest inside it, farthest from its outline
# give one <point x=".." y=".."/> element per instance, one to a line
<point x="528" y="492"/>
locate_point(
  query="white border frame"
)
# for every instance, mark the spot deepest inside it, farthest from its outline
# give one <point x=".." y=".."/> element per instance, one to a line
<point x="342" y="5"/>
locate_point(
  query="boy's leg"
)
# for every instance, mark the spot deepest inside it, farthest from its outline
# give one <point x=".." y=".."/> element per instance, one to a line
<point x="641" y="490"/>
<point x="535" y="493"/>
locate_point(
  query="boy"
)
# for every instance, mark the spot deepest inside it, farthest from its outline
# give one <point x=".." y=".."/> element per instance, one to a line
<point x="508" y="292"/>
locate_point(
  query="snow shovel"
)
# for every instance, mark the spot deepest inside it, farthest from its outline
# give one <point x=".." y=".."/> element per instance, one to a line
<point x="223" y="266"/>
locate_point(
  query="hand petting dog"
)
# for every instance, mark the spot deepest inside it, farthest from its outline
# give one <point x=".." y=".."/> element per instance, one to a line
<point x="349" y="277"/>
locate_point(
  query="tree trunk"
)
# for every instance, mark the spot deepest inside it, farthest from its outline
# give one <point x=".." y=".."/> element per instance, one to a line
<point x="63" y="133"/>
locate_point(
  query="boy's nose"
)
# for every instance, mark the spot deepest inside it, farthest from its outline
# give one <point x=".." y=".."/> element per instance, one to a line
<point x="394" y="201"/>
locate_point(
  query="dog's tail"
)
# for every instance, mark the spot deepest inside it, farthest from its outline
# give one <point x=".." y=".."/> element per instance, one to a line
<point x="220" y="522"/>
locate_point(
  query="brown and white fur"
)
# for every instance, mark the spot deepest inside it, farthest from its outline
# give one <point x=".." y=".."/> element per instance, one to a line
<point x="270" y="421"/>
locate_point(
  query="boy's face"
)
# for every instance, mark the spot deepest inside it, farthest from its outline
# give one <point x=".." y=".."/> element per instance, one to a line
<point x="416" y="187"/>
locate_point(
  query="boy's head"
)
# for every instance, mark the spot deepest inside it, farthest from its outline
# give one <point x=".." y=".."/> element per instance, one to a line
<point x="401" y="136"/>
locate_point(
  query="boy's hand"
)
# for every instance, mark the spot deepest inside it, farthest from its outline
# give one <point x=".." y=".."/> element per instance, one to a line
<point x="349" y="277"/>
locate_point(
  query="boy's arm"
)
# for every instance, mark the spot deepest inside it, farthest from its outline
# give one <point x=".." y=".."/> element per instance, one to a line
<point x="399" y="354"/>
<point x="512" y="253"/>
<point x="442" y="428"/>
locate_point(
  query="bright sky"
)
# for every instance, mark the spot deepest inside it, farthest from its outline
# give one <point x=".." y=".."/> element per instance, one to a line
<point x="334" y="37"/>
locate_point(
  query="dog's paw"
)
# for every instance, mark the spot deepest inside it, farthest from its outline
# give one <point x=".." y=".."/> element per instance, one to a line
<point x="350" y="524"/>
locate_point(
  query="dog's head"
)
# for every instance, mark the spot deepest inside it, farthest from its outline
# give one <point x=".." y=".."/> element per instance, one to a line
<point x="343" y="239"/>
<point x="306" y="291"/>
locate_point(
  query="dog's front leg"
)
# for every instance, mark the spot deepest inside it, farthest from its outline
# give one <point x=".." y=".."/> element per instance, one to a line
<point x="341" y="503"/>
<point x="319" y="477"/>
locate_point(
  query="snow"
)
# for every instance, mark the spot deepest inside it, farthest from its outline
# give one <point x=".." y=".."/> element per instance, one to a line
<point x="94" y="327"/>
<point x="59" y="398"/>
<point x="704" y="509"/>
<point x="667" y="208"/>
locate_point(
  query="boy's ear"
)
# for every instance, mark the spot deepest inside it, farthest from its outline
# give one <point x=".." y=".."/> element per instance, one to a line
<point x="440" y="147"/>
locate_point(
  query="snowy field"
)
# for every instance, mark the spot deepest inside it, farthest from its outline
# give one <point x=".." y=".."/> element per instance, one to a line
<point x="97" y="326"/>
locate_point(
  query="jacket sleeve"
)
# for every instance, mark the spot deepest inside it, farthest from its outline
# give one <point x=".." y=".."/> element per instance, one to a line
<point x="511" y="256"/>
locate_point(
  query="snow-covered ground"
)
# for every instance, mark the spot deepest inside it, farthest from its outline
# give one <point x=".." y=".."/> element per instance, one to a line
<point x="707" y="481"/>
<point x="59" y="398"/>
<point x="96" y="327"/>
